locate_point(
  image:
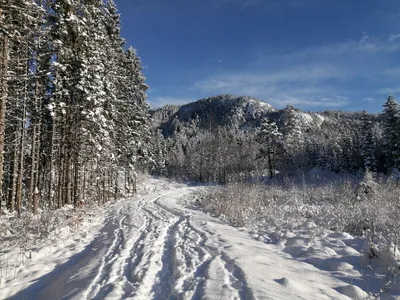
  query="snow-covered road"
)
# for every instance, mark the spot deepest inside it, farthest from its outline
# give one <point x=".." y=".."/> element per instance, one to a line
<point x="154" y="248"/>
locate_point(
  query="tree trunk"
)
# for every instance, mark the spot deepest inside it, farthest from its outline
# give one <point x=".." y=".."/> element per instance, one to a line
<point x="60" y="183"/>
<point x="51" y="187"/>
<point x="271" y="173"/>
<point x="21" y="153"/>
<point x="3" y="99"/>
<point x="35" y="151"/>
<point x="76" y="182"/>
<point x="13" y="175"/>
<point x="116" y="186"/>
<point x="36" y="170"/>
<point x="84" y="184"/>
<point x="32" y="178"/>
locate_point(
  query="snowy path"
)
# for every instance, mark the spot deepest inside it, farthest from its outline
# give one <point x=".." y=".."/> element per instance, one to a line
<point x="153" y="248"/>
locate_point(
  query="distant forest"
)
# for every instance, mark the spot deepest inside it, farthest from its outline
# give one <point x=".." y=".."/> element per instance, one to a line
<point x="227" y="138"/>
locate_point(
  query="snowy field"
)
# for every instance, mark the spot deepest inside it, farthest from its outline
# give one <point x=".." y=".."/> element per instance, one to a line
<point x="153" y="247"/>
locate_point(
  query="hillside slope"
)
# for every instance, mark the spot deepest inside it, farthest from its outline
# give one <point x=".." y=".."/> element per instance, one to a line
<point x="245" y="112"/>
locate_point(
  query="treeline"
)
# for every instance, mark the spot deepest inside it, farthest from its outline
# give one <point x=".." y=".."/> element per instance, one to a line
<point x="285" y="142"/>
<point x="73" y="111"/>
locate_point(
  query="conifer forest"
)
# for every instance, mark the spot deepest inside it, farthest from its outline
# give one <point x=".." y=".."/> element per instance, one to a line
<point x="73" y="110"/>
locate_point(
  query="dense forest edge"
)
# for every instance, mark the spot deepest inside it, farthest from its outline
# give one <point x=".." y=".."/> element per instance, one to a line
<point x="73" y="111"/>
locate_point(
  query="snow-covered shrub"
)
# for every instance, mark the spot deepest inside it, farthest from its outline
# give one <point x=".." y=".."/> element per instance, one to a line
<point x="370" y="209"/>
<point x="236" y="203"/>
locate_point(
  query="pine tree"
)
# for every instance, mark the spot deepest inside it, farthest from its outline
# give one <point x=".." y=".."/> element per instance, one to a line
<point x="391" y="134"/>
<point x="367" y="142"/>
<point x="73" y="110"/>
<point x="269" y="138"/>
<point x="293" y="140"/>
<point x="20" y="28"/>
<point x="4" y="60"/>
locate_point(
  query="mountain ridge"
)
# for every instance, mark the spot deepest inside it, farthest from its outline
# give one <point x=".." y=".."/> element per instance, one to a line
<point x="241" y="112"/>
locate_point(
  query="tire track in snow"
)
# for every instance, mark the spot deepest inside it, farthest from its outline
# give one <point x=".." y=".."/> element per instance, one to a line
<point x="102" y="274"/>
<point x="149" y="250"/>
<point x="103" y="284"/>
<point x="170" y="270"/>
<point x="194" y="256"/>
<point x="166" y="277"/>
<point x="196" y="278"/>
<point x="139" y="262"/>
<point x="136" y="252"/>
<point x="186" y="278"/>
<point x="237" y="277"/>
<point x="168" y="260"/>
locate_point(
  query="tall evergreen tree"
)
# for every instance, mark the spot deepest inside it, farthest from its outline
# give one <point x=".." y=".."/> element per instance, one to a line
<point x="391" y="134"/>
<point x="73" y="110"/>
<point x="367" y="142"/>
<point x="269" y="138"/>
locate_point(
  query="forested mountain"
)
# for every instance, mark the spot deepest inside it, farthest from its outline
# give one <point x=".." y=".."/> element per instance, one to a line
<point x="226" y="137"/>
<point x="73" y="110"/>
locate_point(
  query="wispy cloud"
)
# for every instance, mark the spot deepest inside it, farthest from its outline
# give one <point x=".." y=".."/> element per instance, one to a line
<point x="279" y="89"/>
<point x="302" y="85"/>
<point x="369" y="100"/>
<point x="312" y="77"/>
<point x="162" y="101"/>
<point x="388" y="43"/>
<point x="394" y="37"/>
<point x="333" y="101"/>
<point x="266" y="80"/>
<point x="389" y="91"/>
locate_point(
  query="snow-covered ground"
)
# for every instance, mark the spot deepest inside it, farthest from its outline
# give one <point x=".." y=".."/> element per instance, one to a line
<point x="153" y="247"/>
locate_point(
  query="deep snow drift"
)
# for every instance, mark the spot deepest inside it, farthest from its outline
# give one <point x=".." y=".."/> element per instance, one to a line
<point x="152" y="247"/>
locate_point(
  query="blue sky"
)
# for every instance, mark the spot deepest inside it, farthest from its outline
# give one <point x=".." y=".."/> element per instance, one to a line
<point x="313" y="54"/>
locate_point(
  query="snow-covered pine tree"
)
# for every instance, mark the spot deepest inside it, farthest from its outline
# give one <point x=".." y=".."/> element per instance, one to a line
<point x="391" y="134"/>
<point x="64" y="74"/>
<point x="4" y="61"/>
<point x="20" y="28"/>
<point x="269" y="138"/>
<point x="38" y="91"/>
<point x="292" y="138"/>
<point x="132" y="116"/>
<point x="367" y="142"/>
<point x="160" y="150"/>
<point x="97" y="124"/>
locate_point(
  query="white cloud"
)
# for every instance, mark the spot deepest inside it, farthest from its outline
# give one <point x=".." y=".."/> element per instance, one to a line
<point x="310" y="101"/>
<point x="369" y="99"/>
<point x="317" y="76"/>
<point x="299" y="86"/>
<point x="162" y="101"/>
<point x="389" y="91"/>
<point x="383" y="43"/>
<point x="394" y="37"/>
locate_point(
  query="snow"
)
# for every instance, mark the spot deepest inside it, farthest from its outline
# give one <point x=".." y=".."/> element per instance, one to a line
<point x="320" y="118"/>
<point x="305" y="118"/>
<point x="154" y="247"/>
<point x="260" y="103"/>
